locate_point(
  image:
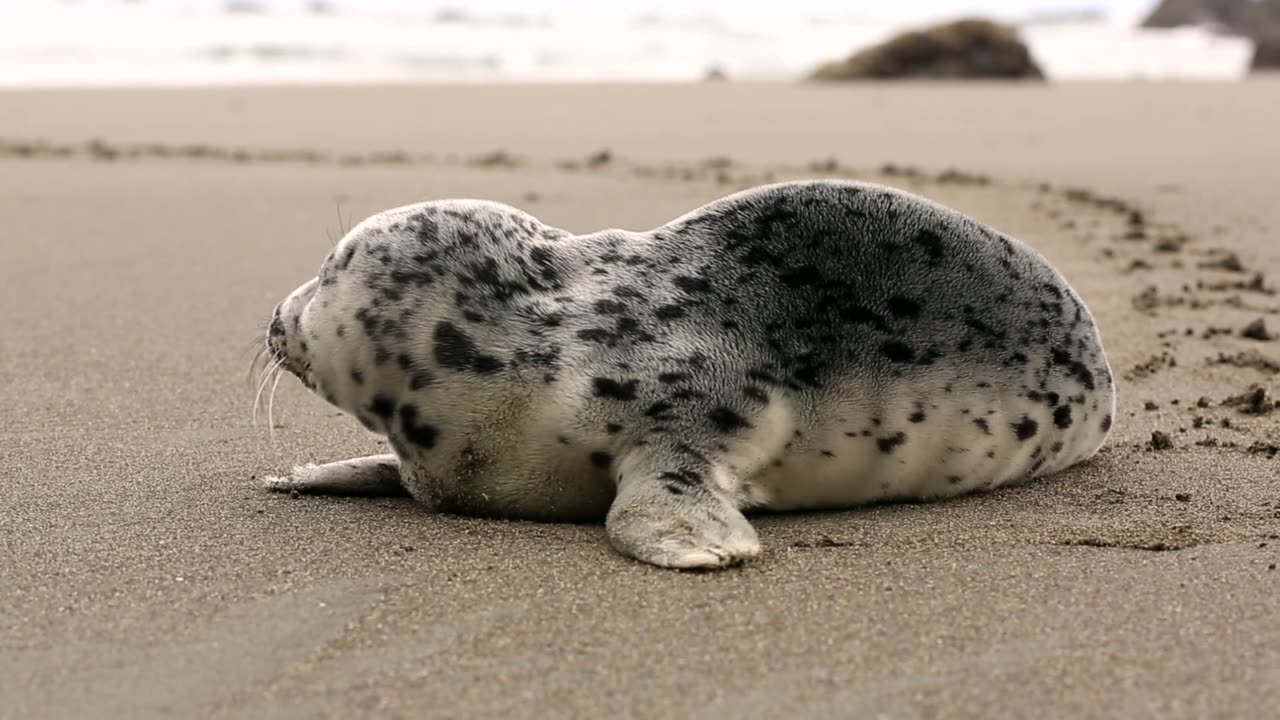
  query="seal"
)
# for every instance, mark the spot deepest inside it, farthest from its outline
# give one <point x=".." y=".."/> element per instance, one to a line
<point x="797" y="346"/>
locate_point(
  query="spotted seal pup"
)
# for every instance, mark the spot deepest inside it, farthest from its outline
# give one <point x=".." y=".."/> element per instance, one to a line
<point x="803" y="345"/>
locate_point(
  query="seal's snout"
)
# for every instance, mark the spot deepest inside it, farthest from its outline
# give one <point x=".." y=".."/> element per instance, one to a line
<point x="290" y="330"/>
<point x="275" y="333"/>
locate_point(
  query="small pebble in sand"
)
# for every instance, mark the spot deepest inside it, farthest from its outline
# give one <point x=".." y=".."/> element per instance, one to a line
<point x="1149" y="405"/>
<point x="1228" y="261"/>
<point x="1161" y="440"/>
<point x="1254" y="401"/>
<point x="1182" y="497"/>
<point x="1203" y="402"/>
<point x="1256" y="330"/>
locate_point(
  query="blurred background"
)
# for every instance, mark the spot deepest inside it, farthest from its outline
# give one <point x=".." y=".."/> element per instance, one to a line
<point x="177" y="42"/>
<point x="170" y="169"/>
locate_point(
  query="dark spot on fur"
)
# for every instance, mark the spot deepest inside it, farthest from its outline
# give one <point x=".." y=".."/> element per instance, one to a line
<point x="799" y="277"/>
<point x="609" y="307"/>
<point x="612" y="428"/>
<point x="691" y="284"/>
<point x="454" y="349"/>
<point x="1025" y="428"/>
<point x="681" y="478"/>
<point x="982" y="425"/>
<point x="670" y="378"/>
<point x="383" y="406"/>
<point x="670" y="312"/>
<point x="862" y="316"/>
<point x="903" y="307"/>
<point x="616" y="390"/>
<point x="421" y="434"/>
<point x="726" y="420"/>
<point x="887" y="444"/>
<point x="1062" y="416"/>
<point x="930" y="242"/>
<point x="1106" y="423"/>
<point x="917" y="417"/>
<point x="897" y="352"/>
<point x="659" y="410"/>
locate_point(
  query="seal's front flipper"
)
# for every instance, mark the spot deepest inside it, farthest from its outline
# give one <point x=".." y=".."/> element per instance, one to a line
<point x="373" y="476"/>
<point x="669" y="513"/>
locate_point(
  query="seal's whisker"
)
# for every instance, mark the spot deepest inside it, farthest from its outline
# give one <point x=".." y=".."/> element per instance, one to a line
<point x="341" y="226"/>
<point x="271" y="399"/>
<point x="266" y="378"/>
<point x="259" y="361"/>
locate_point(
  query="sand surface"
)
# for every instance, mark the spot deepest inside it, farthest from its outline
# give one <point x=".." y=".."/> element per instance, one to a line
<point x="145" y="574"/>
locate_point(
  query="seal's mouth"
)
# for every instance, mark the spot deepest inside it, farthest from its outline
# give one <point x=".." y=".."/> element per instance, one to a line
<point x="270" y="363"/>
<point x="278" y="349"/>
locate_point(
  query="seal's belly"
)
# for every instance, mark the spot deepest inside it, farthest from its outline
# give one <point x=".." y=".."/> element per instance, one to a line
<point x="847" y="455"/>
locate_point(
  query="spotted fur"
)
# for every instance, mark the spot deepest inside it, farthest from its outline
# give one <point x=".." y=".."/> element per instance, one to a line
<point x="813" y="344"/>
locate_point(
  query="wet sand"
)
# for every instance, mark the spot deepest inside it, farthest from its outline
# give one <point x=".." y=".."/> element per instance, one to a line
<point x="147" y="234"/>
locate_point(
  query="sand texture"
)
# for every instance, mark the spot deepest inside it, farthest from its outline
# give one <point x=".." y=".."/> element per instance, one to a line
<point x="145" y="237"/>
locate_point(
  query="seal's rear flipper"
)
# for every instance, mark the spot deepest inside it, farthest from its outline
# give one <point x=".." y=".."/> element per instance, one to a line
<point x="373" y="476"/>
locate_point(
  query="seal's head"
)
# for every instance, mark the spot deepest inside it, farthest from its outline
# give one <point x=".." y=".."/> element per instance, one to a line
<point x="322" y="333"/>
<point x="413" y="294"/>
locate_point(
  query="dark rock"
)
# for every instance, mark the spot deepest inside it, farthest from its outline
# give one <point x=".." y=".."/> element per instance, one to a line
<point x="1161" y="440"/>
<point x="715" y="73"/>
<point x="1266" y="50"/>
<point x="969" y="48"/>
<point x="1241" y="17"/>
<point x="1254" y="401"/>
<point x="1256" y="330"/>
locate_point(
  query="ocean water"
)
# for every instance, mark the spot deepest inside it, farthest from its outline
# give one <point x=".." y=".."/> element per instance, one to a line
<point x="203" y="42"/>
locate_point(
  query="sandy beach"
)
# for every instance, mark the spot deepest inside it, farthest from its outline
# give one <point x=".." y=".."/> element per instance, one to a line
<point x="147" y="234"/>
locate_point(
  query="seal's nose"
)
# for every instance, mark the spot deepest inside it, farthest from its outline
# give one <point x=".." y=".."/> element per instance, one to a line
<point x="276" y="331"/>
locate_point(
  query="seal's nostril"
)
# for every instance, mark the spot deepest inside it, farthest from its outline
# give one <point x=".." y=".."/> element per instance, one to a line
<point x="277" y="327"/>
